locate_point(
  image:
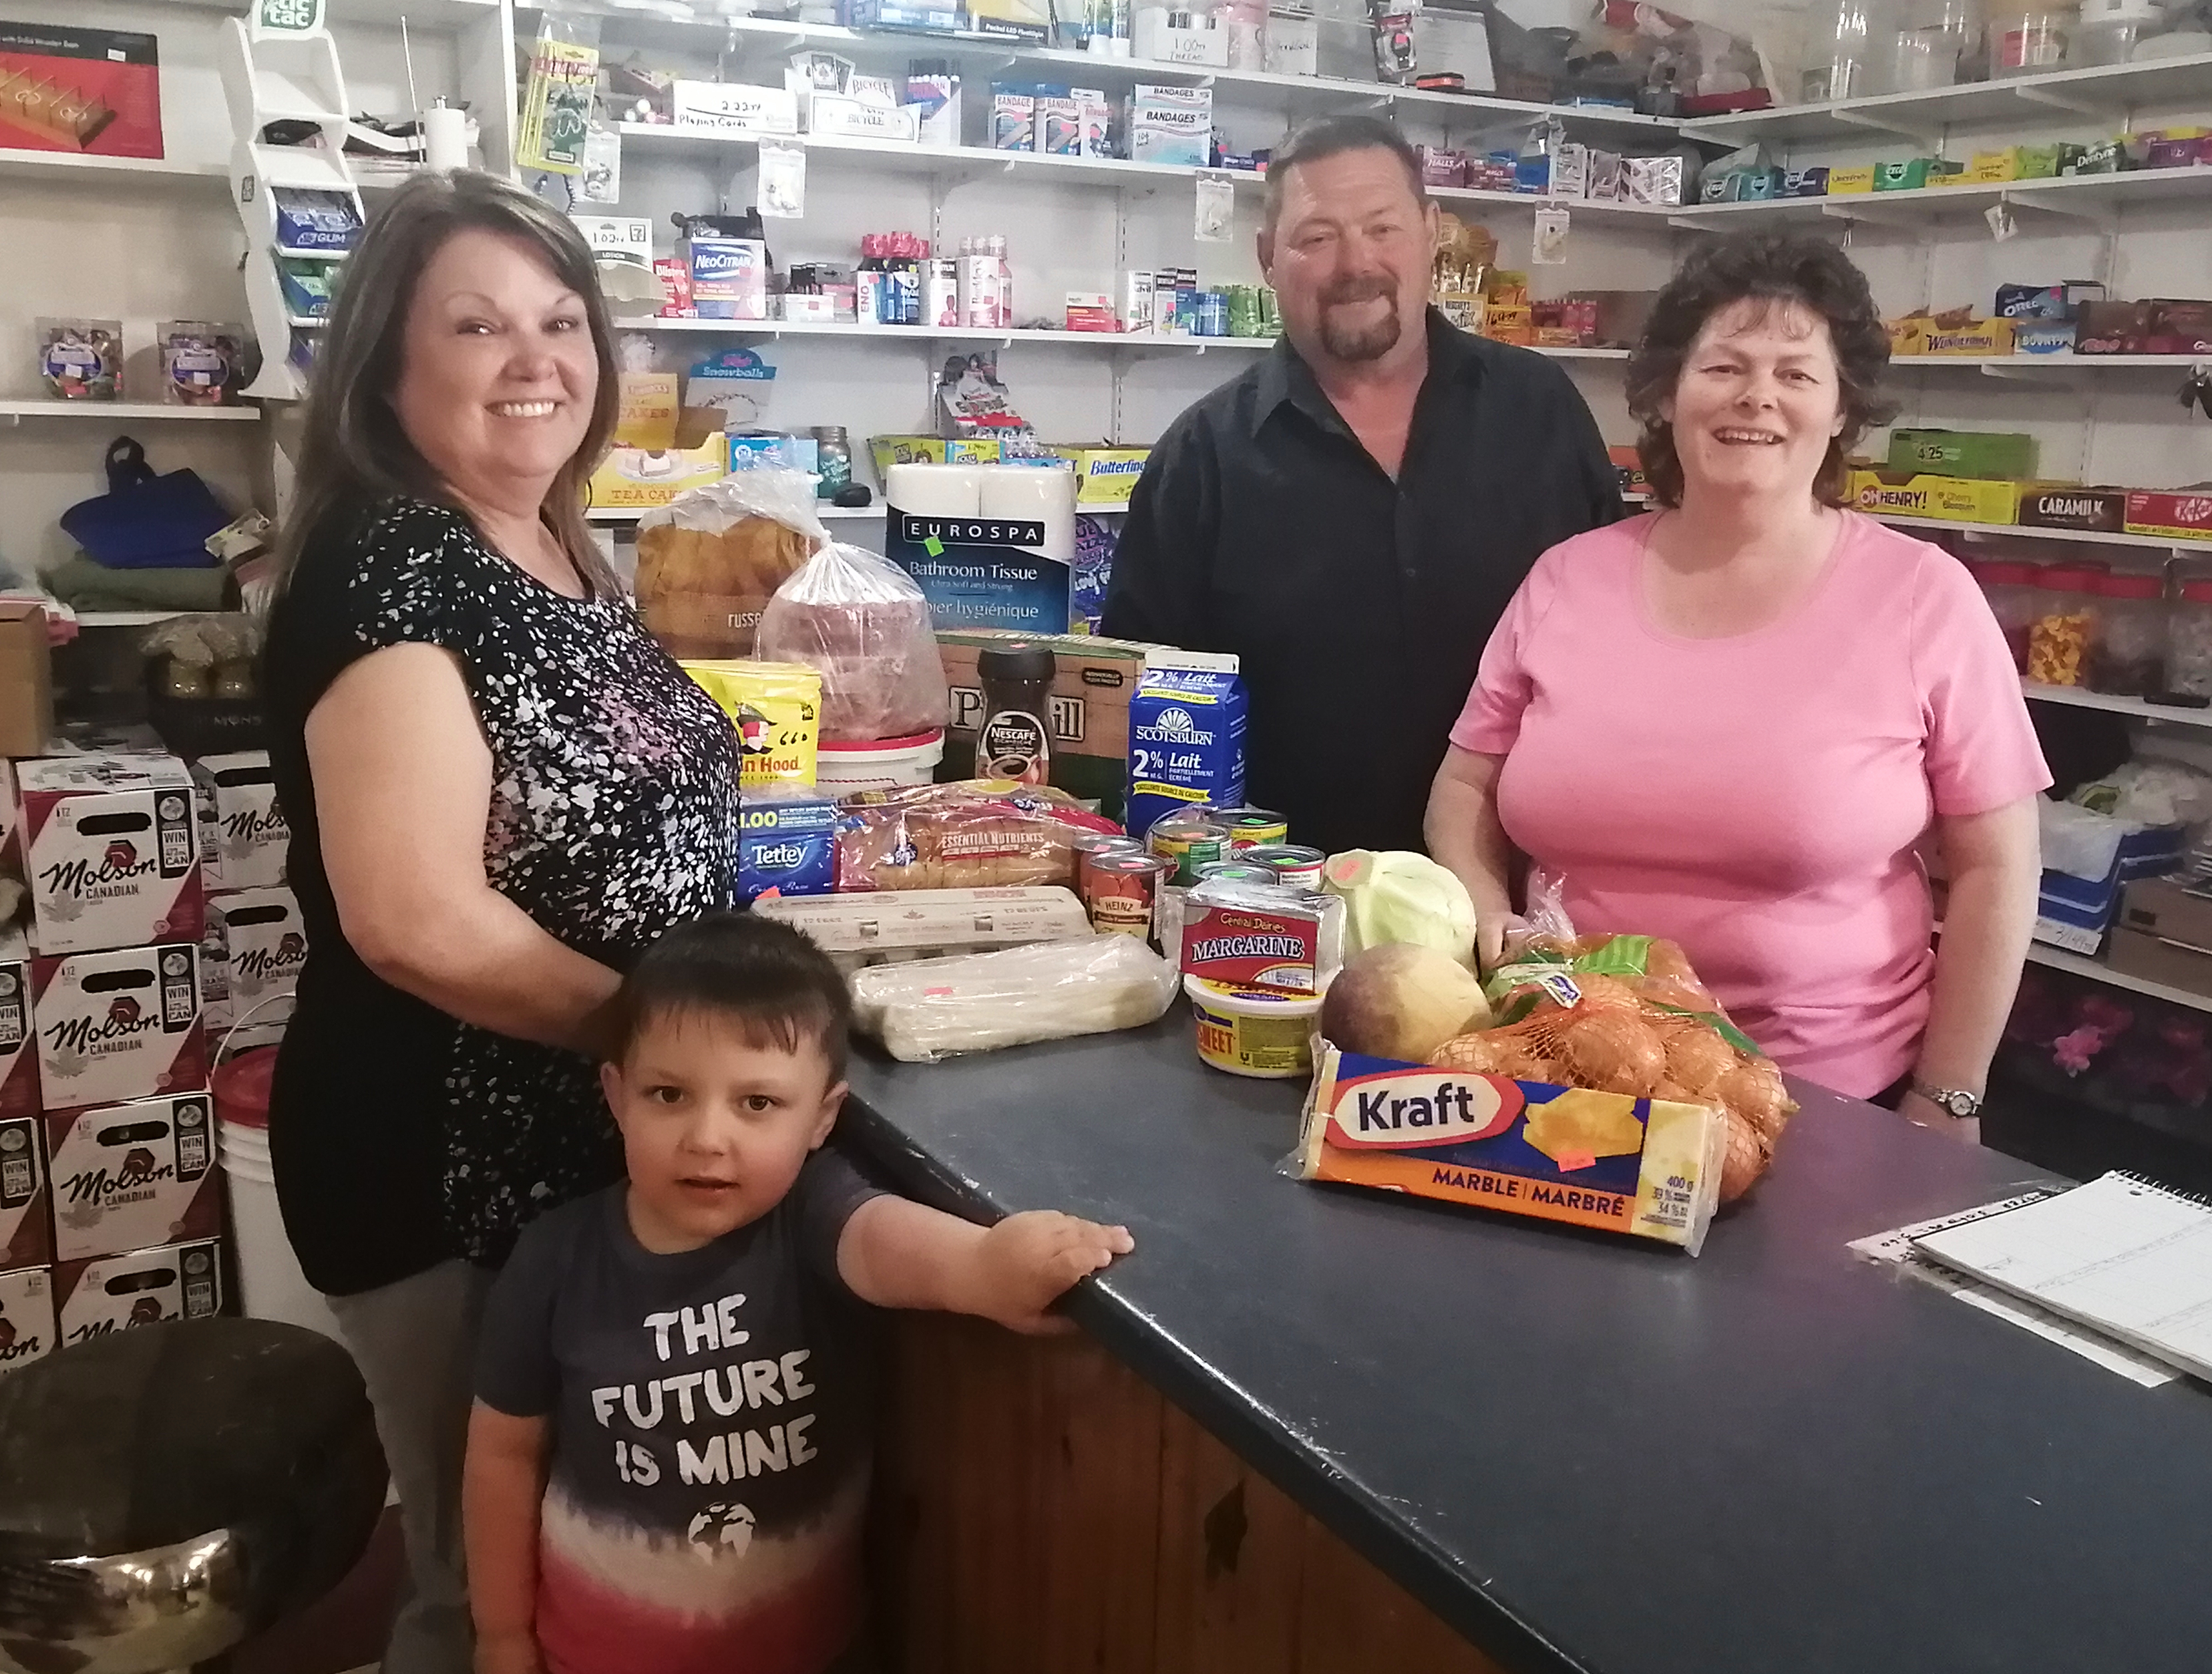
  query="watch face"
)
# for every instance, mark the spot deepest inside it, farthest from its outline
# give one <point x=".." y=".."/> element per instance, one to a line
<point x="1961" y="1104"/>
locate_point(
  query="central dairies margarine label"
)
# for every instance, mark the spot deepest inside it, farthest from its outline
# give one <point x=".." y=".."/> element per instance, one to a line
<point x="119" y="1025"/>
<point x="111" y="851"/>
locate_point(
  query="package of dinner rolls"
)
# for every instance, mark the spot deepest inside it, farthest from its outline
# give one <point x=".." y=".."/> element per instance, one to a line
<point x="973" y="834"/>
<point x="709" y="561"/>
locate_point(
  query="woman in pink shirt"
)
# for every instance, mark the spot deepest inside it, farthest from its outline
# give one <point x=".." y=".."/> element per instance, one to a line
<point x="1729" y="721"/>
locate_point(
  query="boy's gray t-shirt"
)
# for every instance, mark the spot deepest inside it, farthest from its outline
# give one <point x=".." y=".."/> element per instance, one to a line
<point x="710" y="1418"/>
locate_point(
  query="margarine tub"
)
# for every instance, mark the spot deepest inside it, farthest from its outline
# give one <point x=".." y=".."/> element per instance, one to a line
<point x="1254" y="1031"/>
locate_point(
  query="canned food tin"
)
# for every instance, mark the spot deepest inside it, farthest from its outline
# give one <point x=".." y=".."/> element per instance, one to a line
<point x="1237" y="871"/>
<point x="1295" y="866"/>
<point x="1249" y="827"/>
<point x="1088" y="845"/>
<point x="1191" y="840"/>
<point x="1124" y="889"/>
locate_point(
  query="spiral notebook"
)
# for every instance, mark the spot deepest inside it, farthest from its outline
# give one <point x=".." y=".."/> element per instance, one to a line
<point x="2121" y="1254"/>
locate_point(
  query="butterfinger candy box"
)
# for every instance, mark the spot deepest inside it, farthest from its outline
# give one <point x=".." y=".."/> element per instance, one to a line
<point x="119" y="1025"/>
<point x="25" y="1229"/>
<point x="128" y="1176"/>
<point x="1644" y="1166"/>
<point x="111" y="849"/>
<point x="107" y="1293"/>
<point x="26" y="1317"/>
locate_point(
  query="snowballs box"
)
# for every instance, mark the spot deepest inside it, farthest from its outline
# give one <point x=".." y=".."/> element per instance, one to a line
<point x="1644" y="1166"/>
<point x="111" y="851"/>
<point x="129" y="1177"/>
<point x="119" y="1026"/>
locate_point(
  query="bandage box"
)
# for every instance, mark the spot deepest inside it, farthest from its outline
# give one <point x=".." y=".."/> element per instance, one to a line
<point x="19" y="1052"/>
<point x="26" y="1317"/>
<point x="119" y="1025"/>
<point x="25" y="1223"/>
<point x="244" y="837"/>
<point x="111" y="846"/>
<point x="250" y="963"/>
<point x="1644" y="1166"/>
<point x="128" y="1176"/>
<point x="107" y="1293"/>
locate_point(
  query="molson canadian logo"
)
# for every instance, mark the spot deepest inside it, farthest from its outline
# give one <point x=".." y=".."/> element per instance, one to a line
<point x="1398" y="1111"/>
<point x="252" y="826"/>
<point x="256" y="965"/>
<point x="90" y="1037"/>
<point x="119" y="865"/>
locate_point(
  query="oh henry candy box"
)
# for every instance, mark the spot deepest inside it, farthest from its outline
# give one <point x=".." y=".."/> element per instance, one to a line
<point x="1643" y="1166"/>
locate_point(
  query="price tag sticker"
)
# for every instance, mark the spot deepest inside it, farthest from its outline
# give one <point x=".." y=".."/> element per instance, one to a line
<point x="782" y="180"/>
<point x="1550" y="248"/>
<point x="1216" y="222"/>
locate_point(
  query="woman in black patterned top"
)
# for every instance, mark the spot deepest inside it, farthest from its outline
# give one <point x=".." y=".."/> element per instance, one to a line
<point x="501" y="791"/>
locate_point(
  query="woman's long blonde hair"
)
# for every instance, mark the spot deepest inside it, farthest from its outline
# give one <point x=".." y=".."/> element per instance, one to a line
<point x="354" y="454"/>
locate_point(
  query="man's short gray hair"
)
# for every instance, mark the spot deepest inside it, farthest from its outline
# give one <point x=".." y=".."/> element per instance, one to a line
<point x="1332" y="136"/>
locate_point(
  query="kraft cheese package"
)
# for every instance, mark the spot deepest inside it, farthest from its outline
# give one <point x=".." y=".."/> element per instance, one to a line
<point x="786" y="841"/>
<point x="1186" y="738"/>
<point x="1644" y="1166"/>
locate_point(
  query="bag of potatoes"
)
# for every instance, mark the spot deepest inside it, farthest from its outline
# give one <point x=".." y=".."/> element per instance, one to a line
<point x="709" y="561"/>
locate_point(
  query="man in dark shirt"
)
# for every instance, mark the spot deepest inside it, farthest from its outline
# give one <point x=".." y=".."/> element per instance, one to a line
<point x="1352" y="516"/>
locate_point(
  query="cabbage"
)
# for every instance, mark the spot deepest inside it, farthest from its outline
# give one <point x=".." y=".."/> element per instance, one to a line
<point x="1397" y="896"/>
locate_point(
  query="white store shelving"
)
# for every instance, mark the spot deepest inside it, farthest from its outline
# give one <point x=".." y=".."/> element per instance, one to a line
<point x="108" y="171"/>
<point x="2058" y="959"/>
<point x="120" y="413"/>
<point x="2087" y="198"/>
<point x="2093" y="538"/>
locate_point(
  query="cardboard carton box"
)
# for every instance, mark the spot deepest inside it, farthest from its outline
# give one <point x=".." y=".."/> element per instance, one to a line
<point x="1105" y="475"/>
<point x="128" y="1176"/>
<point x="2075" y="913"/>
<point x="1092" y="682"/>
<point x="243" y="836"/>
<point x="27" y="680"/>
<point x="19" y="1057"/>
<point x="110" y="851"/>
<point x="117" y="1026"/>
<point x="89" y="92"/>
<point x="25" y="1222"/>
<point x="2186" y="516"/>
<point x="1918" y="334"/>
<point x="2136" y="953"/>
<point x="26" y="1317"/>
<point x="256" y="947"/>
<point x="107" y="1293"/>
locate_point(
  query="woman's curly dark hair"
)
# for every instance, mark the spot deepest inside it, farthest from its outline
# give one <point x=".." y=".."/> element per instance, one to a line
<point x="1777" y="267"/>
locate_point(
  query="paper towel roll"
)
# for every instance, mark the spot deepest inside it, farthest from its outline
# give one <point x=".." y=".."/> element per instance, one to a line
<point x="936" y="491"/>
<point x="1037" y="493"/>
<point x="446" y="138"/>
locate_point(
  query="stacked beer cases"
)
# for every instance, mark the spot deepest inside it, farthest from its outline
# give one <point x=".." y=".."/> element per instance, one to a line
<point x="111" y="1197"/>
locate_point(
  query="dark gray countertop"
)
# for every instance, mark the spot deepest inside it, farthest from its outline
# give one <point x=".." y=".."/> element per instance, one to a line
<point x="1588" y="1452"/>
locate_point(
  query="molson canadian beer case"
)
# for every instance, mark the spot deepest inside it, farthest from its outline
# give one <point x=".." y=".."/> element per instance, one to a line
<point x="26" y="1317"/>
<point x="19" y="1056"/>
<point x="119" y="1026"/>
<point x="250" y="963"/>
<point x="126" y="1176"/>
<point x="26" y="1228"/>
<point x="1644" y="1166"/>
<point x="111" y="851"/>
<point x="244" y="837"/>
<point x="143" y="1287"/>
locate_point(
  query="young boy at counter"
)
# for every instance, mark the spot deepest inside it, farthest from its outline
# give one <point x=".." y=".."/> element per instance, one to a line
<point x="668" y="1458"/>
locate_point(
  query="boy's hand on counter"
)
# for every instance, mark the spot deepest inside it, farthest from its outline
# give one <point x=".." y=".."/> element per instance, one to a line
<point x="1025" y="1263"/>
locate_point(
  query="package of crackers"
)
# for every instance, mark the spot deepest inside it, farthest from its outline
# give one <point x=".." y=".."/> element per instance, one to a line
<point x="709" y="561"/>
<point x="1648" y="1167"/>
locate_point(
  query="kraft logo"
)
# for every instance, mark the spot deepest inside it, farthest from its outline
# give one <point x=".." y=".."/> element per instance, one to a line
<point x="124" y="1010"/>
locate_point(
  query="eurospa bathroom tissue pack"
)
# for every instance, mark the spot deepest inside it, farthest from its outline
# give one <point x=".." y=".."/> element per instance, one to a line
<point x="989" y="545"/>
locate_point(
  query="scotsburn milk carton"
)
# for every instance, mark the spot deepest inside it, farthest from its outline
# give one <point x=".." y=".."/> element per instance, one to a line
<point x="129" y="1177"/>
<point x="1186" y="742"/>
<point x="117" y="1025"/>
<point x="110" y="851"/>
<point x="243" y="835"/>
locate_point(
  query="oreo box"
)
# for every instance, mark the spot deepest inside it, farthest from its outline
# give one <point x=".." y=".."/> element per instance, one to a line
<point x="26" y="1228"/>
<point x="107" y="1293"/>
<point x="26" y="1317"/>
<point x="19" y="1058"/>
<point x="243" y="836"/>
<point x="127" y="1176"/>
<point x="110" y="851"/>
<point x="119" y="1025"/>
<point x="786" y="841"/>
<point x="1186" y="738"/>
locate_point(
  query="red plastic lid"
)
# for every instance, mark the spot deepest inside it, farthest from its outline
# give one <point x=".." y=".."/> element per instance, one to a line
<point x="2197" y="593"/>
<point x="1999" y="572"/>
<point x="2131" y="586"/>
<point x="242" y="1087"/>
<point x="2061" y="578"/>
<point x="911" y="741"/>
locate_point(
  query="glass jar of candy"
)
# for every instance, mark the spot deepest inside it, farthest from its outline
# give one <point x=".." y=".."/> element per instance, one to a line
<point x="2065" y="624"/>
<point x="2127" y="656"/>
<point x="2189" y="642"/>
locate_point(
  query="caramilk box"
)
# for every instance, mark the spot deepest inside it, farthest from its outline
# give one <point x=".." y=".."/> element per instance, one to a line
<point x="26" y="1227"/>
<point x="26" y="1317"/>
<point x="119" y="1026"/>
<point x="19" y="1056"/>
<point x="1644" y="1166"/>
<point x="250" y="959"/>
<point x="128" y="1176"/>
<point x="107" y="1293"/>
<point x="110" y="851"/>
<point x="244" y="837"/>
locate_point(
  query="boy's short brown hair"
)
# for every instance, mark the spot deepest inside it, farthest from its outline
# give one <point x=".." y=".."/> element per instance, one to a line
<point x="780" y="990"/>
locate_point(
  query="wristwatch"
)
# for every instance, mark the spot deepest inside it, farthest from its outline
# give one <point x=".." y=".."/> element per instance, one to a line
<point x="1957" y="1101"/>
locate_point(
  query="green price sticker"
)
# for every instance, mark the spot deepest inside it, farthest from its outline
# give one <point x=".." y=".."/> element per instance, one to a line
<point x="934" y="546"/>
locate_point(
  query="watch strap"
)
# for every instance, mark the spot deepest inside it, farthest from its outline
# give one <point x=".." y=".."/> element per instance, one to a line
<point x="1957" y="1101"/>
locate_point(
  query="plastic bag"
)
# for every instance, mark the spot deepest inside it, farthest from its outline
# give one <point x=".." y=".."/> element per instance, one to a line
<point x="927" y="1010"/>
<point x="2148" y="793"/>
<point x="974" y="834"/>
<point x="708" y="562"/>
<point x="865" y="625"/>
<point x="2076" y="841"/>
